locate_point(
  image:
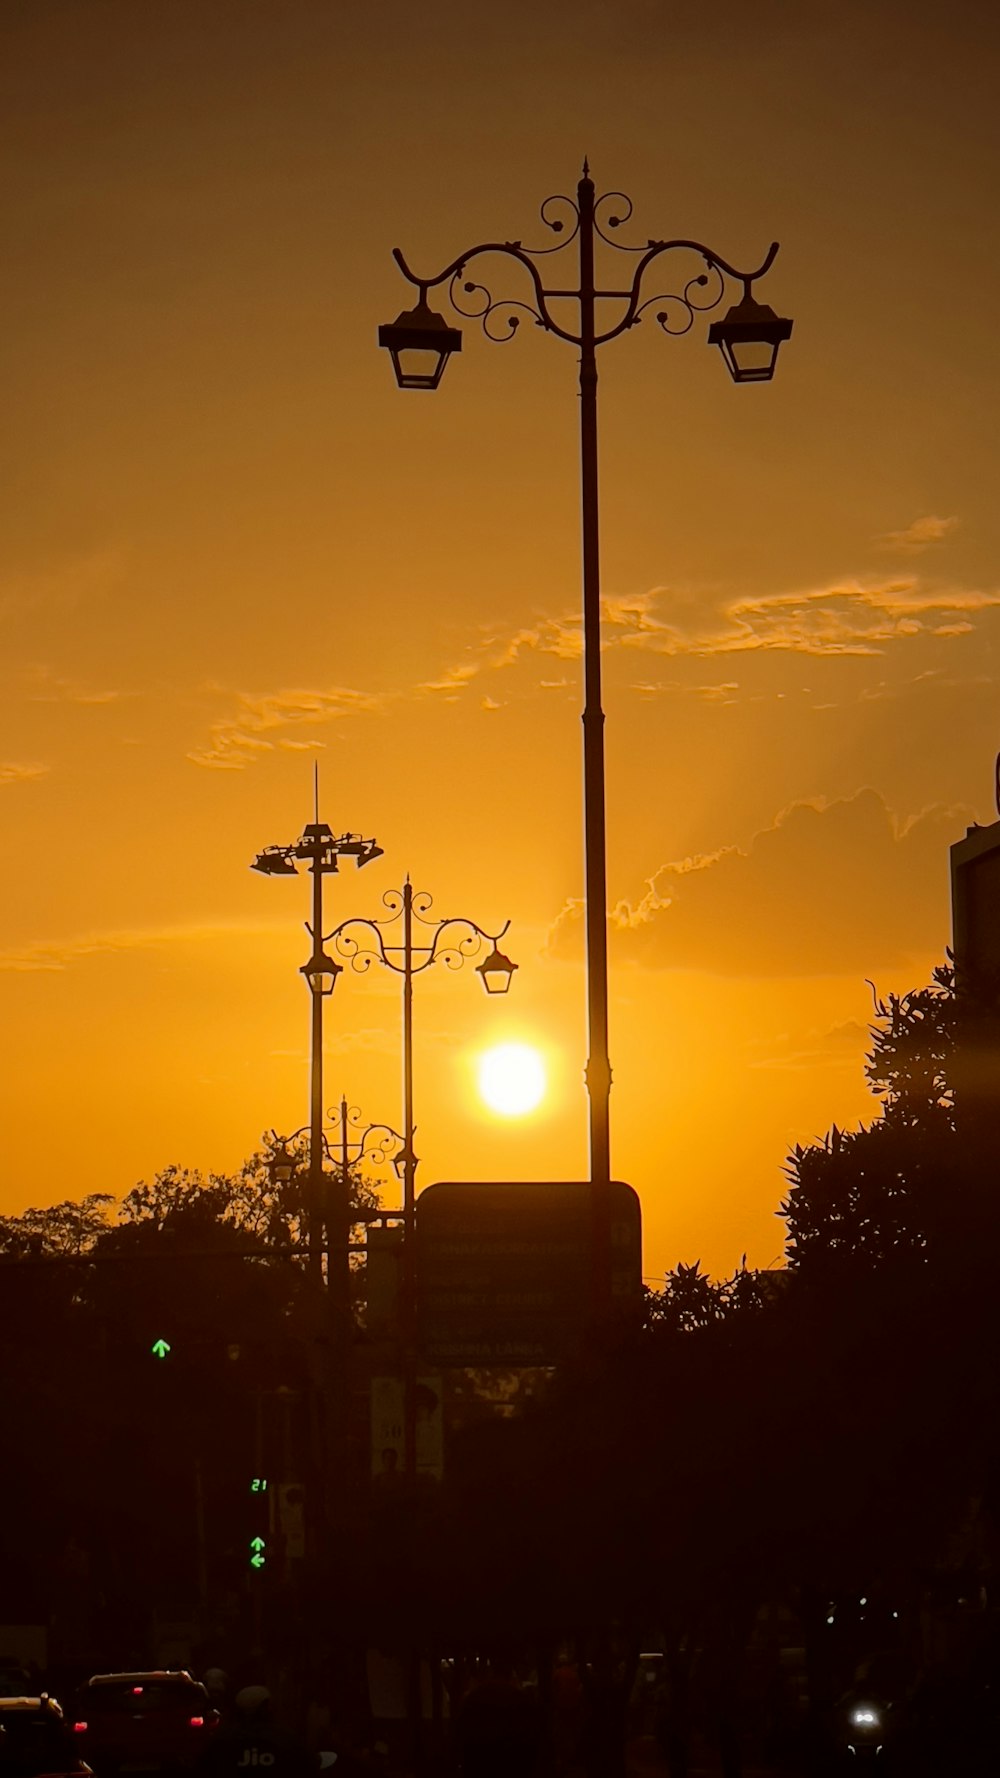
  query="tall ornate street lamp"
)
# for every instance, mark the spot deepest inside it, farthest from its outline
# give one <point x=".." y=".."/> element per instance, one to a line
<point x="420" y="343"/>
<point x="363" y="942"/>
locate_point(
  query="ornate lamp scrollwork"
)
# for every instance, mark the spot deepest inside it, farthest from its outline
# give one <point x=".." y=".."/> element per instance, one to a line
<point x="451" y="942"/>
<point x="355" y="1141"/>
<point x="748" y="336"/>
<point x="485" y="306"/>
<point x="676" y="310"/>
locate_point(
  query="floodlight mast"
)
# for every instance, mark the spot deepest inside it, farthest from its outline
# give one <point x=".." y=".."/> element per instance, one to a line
<point x="320" y="851"/>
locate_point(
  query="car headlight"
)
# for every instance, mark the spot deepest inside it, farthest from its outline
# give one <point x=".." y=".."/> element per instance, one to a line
<point x="865" y="1716"/>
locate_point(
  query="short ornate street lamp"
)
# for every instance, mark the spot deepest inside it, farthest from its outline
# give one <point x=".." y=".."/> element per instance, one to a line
<point x="345" y="1142"/>
<point x="330" y="1199"/>
<point x="421" y="342"/>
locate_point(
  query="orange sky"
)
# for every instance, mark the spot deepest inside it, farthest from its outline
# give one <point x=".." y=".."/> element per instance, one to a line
<point x="231" y="546"/>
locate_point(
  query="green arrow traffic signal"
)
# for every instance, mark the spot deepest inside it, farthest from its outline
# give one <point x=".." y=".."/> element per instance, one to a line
<point x="257" y="1544"/>
<point x="159" y="1348"/>
<point x="257" y="1561"/>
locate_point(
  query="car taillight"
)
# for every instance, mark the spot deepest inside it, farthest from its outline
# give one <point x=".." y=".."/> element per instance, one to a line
<point x="79" y="1727"/>
<point x="196" y="1722"/>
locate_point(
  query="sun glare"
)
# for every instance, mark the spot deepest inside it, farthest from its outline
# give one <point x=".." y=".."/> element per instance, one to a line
<point x="512" y="1078"/>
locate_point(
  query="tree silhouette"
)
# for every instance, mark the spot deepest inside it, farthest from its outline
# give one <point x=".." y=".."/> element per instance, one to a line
<point x="691" y="1301"/>
<point x="68" y="1229"/>
<point x="216" y="1267"/>
<point x="910" y="1065"/>
<point x="887" y="1191"/>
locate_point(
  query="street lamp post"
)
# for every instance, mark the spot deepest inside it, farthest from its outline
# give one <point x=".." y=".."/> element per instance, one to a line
<point x="420" y="343"/>
<point x="352" y="1143"/>
<point x="452" y="942"/>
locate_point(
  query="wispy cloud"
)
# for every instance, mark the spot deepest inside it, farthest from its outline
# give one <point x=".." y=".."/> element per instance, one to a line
<point x="723" y="693"/>
<point x="51" y="955"/>
<point x="452" y="681"/>
<point x="14" y="771"/>
<point x="559" y="636"/>
<point x="842" y="1045"/>
<point x="846" y="618"/>
<point x="717" y="694"/>
<point x="257" y="724"/>
<point x="849" y="617"/>
<point x="917" y="537"/>
<point x="831" y="888"/>
<point x="48" y="687"/>
<point x="64" y="584"/>
<point x="635" y="612"/>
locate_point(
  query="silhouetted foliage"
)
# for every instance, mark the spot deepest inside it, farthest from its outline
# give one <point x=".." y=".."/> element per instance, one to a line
<point x="690" y="1300"/>
<point x="910" y="1065"/>
<point x="68" y="1229"/>
<point x="885" y="1191"/>
<point x="217" y="1267"/>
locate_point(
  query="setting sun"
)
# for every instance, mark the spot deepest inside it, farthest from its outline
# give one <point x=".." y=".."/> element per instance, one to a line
<point x="512" y="1078"/>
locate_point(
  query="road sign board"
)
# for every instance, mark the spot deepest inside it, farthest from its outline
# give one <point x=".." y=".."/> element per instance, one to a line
<point x="504" y="1270"/>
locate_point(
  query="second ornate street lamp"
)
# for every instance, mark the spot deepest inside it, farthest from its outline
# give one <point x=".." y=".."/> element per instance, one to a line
<point x="452" y="942"/>
<point x="748" y="336"/>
